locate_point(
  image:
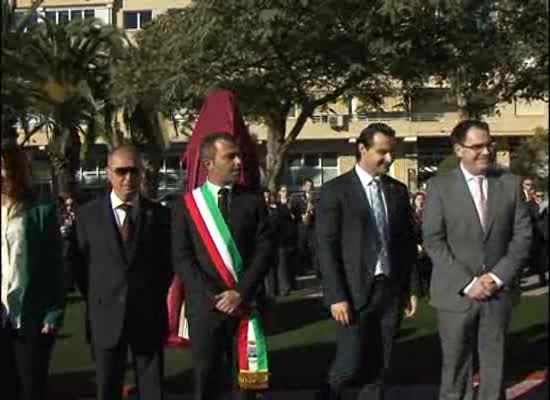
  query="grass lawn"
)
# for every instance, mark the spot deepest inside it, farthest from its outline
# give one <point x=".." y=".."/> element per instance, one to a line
<point x="301" y="343"/>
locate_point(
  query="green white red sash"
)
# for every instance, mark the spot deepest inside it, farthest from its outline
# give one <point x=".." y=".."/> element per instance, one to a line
<point x="222" y="250"/>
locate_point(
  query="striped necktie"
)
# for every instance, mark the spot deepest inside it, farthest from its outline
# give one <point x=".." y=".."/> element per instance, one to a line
<point x="379" y="210"/>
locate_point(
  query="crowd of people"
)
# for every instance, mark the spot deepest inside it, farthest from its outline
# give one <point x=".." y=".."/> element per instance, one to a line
<point x="374" y="247"/>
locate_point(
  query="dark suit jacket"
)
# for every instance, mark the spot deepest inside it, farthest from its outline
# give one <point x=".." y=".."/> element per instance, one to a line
<point x="122" y="284"/>
<point x="455" y="241"/>
<point x="252" y="235"/>
<point x="347" y="239"/>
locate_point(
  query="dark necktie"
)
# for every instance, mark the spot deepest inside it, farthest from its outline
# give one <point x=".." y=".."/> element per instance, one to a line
<point x="223" y="203"/>
<point x="126" y="227"/>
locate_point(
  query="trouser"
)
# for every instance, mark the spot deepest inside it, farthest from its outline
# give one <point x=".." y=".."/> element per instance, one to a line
<point x="285" y="270"/>
<point x="111" y="365"/>
<point x="484" y="324"/>
<point x="213" y="348"/>
<point x="364" y="348"/>
<point x="25" y="360"/>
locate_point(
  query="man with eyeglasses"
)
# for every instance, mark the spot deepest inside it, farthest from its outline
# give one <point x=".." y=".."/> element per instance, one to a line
<point x="123" y="270"/>
<point x="477" y="231"/>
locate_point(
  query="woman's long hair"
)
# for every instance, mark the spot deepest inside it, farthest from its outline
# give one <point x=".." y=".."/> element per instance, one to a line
<point x="16" y="184"/>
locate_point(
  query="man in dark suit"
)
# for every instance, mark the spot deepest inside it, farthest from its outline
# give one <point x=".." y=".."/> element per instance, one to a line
<point x="123" y="269"/>
<point x="213" y="308"/>
<point x="366" y="249"/>
<point x="302" y="206"/>
<point x="477" y="231"/>
<point x="537" y="243"/>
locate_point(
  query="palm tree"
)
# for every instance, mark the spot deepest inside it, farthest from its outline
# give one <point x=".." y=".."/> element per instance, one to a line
<point x="73" y="87"/>
<point x="17" y="72"/>
<point x="141" y="116"/>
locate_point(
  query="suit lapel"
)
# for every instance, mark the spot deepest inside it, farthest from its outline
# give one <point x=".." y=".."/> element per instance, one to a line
<point x="234" y="210"/>
<point x="464" y="196"/>
<point x="493" y="195"/>
<point x="114" y="241"/>
<point x="359" y="197"/>
<point x="143" y="209"/>
<point x="389" y="195"/>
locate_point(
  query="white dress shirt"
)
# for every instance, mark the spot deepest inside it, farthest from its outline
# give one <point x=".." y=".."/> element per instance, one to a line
<point x="471" y="180"/>
<point x="216" y="188"/>
<point x="366" y="181"/>
<point x="13" y="260"/>
<point x="120" y="213"/>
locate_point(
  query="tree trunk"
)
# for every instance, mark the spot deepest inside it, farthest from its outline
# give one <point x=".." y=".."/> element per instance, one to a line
<point x="151" y="174"/>
<point x="462" y="103"/>
<point x="278" y="142"/>
<point x="64" y="154"/>
<point x="275" y="152"/>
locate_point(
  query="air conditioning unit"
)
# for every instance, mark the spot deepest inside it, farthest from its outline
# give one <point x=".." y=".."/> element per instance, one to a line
<point x="336" y="121"/>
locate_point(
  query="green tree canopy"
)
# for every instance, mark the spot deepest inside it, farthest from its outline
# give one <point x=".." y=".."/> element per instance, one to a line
<point x="531" y="158"/>
<point x="278" y="54"/>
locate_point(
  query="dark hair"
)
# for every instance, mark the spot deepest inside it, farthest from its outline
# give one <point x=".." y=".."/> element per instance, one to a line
<point x="17" y="166"/>
<point x="458" y="134"/>
<point x="525" y="178"/>
<point x="208" y="145"/>
<point x="306" y="180"/>
<point x="366" y="137"/>
<point x="419" y="194"/>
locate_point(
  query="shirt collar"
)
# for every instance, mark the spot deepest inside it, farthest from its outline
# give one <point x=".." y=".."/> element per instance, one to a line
<point x="216" y="188"/>
<point x="364" y="176"/>
<point x="117" y="202"/>
<point x="468" y="175"/>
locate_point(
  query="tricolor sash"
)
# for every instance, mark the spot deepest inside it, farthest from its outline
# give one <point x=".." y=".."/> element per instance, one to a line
<point x="224" y="254"/>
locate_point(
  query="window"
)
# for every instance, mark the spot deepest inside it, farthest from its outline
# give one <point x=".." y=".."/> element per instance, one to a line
<point x="89" y="13"/>
<point x="63" y="17"/>
<point x="320" y="167"/>
<point x="51" y="16"/>
<point x="76" y="14"/>
<point x="136" y="19"/>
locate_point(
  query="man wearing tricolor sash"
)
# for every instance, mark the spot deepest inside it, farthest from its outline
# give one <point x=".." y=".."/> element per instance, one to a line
<point x="221" y="247"/>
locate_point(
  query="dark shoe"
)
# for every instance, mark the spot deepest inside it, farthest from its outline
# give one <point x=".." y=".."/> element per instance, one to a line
<point x="327" y="393"/>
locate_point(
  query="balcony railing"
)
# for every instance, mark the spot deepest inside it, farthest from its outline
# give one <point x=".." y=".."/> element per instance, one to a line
<point x="379" y="116"/>
<point x="426" y="117"/>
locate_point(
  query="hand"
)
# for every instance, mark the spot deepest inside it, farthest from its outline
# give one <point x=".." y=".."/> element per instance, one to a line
<point x="477" y="291"/>
<point x="228" y="302"/>
<point x="410" y="307"/>
<point x="341" y="312"/>
<point x="48" y="329"/>
<point x="489" y="284"/>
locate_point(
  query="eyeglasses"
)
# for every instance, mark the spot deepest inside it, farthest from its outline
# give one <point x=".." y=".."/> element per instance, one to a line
<point x="123" y="171"/>
<point x="478" y="148"/>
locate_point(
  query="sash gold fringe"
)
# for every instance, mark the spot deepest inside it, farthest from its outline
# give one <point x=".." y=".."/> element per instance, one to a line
<point x="253" y="380"/>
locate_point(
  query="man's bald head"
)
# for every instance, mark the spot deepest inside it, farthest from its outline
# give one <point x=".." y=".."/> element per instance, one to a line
<point x="125" y="150"/>
<point x="124" y="171"/>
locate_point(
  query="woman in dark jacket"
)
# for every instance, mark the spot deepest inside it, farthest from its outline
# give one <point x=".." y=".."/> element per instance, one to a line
<point x="32" y="289"/>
